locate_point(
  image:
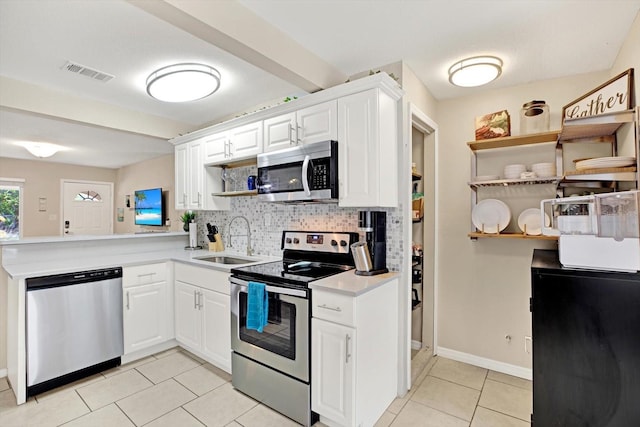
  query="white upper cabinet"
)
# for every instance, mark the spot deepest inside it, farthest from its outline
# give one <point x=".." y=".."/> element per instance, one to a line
<point x="246" y="141"/>
<point x="193" y="182"/>
<point x="361" y="115"/>
<point x="189" y="175"/>
<point x="279" y="132"/>
<point x="305" y="126"/>
<point x="215" y="148"/>
<point x="182" y="175"/>
<point x="195" y="194"/>
<point x="368" y="150"/>
<point x="235" y="144"/>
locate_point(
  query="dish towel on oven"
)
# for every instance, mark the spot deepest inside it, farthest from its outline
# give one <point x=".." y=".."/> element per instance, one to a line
<point x="257" y="306"/>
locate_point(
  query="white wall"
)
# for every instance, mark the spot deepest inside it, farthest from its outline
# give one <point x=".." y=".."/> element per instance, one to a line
<point x="154" y="173"/>
<point x="484" y="285"/>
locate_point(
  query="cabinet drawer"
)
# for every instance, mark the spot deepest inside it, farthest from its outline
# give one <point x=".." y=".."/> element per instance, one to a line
<point x="144" y="274"/>
<point x="334" y="307"/>
<point x="206" y="278"/>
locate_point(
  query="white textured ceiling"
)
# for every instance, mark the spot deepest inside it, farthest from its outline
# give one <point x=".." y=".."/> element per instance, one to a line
<point x="537" y="39"/>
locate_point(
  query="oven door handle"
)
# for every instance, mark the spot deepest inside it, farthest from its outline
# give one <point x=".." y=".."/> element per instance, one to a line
<point x="273" y="289"/>
<point x="305" y="177"/>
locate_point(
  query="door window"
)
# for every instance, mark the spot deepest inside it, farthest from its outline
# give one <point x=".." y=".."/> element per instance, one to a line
<point x="279" y="335"/>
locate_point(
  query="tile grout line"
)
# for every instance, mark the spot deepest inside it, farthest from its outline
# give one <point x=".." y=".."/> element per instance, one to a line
<point x="484" y="381"/>
<point x="125" y="414"/>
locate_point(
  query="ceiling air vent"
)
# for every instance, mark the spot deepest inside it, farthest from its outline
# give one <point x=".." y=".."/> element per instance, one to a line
<point x="86" y="71"/>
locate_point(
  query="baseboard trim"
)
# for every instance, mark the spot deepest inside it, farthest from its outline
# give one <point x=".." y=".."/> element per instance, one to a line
<point x="494" y="365"/>
<point x="416" y="345"/>
<point x="3" y="373"/>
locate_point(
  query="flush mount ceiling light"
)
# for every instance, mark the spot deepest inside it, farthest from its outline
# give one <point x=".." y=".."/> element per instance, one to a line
<point x="42" y="149"/>
<point x="475" y="71"/>
<point x="183" y="82"/>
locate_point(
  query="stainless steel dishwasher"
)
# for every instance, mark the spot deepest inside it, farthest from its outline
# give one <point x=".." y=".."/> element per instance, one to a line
<point x="74" y="326"/>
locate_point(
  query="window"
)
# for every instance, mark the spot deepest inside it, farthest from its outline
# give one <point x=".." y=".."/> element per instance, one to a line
<point x="88" y="196"/>
<point x="10" y="208"/>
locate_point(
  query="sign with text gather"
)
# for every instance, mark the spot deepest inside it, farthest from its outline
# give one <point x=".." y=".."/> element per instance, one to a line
<point x="612" y="96"/>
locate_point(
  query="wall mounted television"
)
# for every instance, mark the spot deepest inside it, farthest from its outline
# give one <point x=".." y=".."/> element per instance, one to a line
<point x="149" y="207"/>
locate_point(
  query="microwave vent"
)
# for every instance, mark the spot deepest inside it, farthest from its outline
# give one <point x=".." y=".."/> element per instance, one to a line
<point x="92" y="73"/>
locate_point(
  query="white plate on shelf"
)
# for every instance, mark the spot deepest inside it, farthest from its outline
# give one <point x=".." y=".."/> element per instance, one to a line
<point x="605" y="162"/>
<point x="494" y="214"/>
<point x="531" y="219"/>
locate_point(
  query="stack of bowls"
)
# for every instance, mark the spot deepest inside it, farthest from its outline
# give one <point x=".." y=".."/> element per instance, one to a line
<point x="544" y="170"/>
<point x="514" y="171"/>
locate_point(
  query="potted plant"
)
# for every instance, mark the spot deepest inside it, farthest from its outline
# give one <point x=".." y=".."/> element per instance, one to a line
<point x="186" y="218"/>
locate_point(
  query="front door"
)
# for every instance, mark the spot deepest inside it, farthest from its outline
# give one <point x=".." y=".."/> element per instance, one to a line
<point x="87" y="207"/>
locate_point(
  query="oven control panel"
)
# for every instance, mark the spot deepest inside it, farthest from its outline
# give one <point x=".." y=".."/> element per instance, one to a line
<point x="319" y="241"/>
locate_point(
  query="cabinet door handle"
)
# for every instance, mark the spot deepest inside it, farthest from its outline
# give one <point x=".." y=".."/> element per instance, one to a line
<point x="347" y="355"/>
<point x="290" y="134"/>
<point x="300" y="134"/>
<point x="184" y="199"/>
<point x="230" y="148"/>
<point x="199" y="197"/>
<point x="195" y="300"/>
<point x="128" y="306"/>
<point x="199" y="300"/>
<point x="326" y="307"/>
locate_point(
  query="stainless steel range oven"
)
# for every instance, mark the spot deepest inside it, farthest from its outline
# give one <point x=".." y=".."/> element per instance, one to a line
<point x="273" y="366"/>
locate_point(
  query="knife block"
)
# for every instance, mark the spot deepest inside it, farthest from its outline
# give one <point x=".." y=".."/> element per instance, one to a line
<point x="216" y="246"/>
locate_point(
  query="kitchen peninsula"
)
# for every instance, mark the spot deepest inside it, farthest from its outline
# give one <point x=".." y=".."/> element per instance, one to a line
<point x="147" y="262"/>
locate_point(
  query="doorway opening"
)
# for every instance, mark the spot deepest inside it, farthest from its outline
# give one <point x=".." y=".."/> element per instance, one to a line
<point x="423" y="242"/>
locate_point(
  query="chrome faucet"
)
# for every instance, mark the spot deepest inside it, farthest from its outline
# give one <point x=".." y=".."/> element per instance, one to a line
<point x="249" y="251"/>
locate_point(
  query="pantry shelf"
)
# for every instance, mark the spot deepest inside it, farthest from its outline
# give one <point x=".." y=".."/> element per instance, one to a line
<point x="595" y="126"/>
<point x="508" y="182"/>
<point x="514" y="141"/>
<point x="478" y="235"/>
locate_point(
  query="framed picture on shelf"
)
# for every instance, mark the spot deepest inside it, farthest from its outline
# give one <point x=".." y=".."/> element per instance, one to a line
<point x="494" y="125"/>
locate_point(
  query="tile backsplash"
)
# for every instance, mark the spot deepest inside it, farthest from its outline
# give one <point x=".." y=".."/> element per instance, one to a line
<point x="268" y="220"/>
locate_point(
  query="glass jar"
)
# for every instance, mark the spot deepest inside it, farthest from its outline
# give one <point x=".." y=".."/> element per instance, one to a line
<point x="534" y="117"/>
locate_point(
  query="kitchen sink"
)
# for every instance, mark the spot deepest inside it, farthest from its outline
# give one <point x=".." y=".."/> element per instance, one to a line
<point x="226" y="260"/>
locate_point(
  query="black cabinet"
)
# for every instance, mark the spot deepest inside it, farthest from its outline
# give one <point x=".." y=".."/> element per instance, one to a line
<point x="586" y="345"/>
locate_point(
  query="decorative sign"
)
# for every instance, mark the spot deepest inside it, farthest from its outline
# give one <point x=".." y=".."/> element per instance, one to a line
<point x="614" y="95"/>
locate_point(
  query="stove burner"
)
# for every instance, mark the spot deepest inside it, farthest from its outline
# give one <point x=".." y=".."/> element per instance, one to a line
<point x="293" y="274"/>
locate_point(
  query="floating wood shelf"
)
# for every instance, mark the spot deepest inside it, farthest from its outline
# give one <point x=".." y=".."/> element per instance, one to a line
<point x="236" y="193"/>
<point x="477" y="235"/>
<point x="594" y="126"/>
<point x="514" y="141"/>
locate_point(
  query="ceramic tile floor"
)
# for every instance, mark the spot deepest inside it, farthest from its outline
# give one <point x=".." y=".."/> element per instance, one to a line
<point x="175" y="388"/>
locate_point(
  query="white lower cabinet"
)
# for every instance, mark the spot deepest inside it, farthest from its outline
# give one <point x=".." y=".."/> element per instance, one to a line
<point x="202" y="313"/>
<point x="147" y="306"/>
<point x="354" y="358"/>
<point x="333" y="374"/>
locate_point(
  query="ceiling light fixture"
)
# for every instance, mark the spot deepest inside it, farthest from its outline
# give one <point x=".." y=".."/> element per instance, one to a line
<point x="475" y="71"/>
<point x="183" y="82"/>
<point x="42" y="149"/>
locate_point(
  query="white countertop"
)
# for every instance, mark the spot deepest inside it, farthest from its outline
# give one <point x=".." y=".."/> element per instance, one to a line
<point x="55" y="255"/>
<point x="22" y="271"/>
<point x="83" y="238"/>
<point x="350" y="283"/>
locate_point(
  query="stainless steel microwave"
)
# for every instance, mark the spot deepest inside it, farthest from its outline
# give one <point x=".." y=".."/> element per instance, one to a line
<point x="305" y="173"/>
